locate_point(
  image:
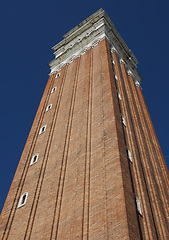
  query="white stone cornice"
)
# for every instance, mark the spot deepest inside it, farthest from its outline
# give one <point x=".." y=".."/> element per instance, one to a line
<point x="68" y="60"/>
<point x="87" y="35"/>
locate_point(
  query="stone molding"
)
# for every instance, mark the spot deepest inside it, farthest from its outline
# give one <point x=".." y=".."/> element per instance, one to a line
<point x="129" y="72"/>
<point x="87" y="35"/>
<point x="122" y="61"/>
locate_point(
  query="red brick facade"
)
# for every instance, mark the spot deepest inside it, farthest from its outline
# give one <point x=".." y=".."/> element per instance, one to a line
<point x="83" y="185"/>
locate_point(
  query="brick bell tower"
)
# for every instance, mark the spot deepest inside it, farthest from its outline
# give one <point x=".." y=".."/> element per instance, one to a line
<point x="92" y="167"/>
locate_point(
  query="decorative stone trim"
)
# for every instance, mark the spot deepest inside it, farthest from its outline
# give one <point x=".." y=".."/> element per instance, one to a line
<point x="113" y="49"/>
<point x="129" y="72"/>
<point x="137" y="83"/>
<point x="78" y="54"/>
<point x="87" y="35"/>
<point x="122" y="61"/>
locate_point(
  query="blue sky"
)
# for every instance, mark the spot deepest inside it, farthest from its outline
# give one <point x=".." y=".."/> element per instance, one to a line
<point x="29" y="30"/>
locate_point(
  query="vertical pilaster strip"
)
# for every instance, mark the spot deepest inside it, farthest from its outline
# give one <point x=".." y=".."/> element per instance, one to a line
<point x="54" y="230"/>
<point x="147" y="165"/>
<point x="133" y="230"/>
<point x="160" y="180"/>
<point x="139" y="178"/>
<point x="158" y="177"/>
<point x="86" y="205"/>
<point x="65" y="156"/>
<point x="160" y="159"/>
<point x="56" y="162"/>
<point x="129" y="137"/>
<point x="97" y="206"/>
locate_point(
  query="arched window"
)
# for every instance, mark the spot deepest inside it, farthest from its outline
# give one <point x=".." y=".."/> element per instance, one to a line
<point x="123" y="120"/>
<point x="118" y="94"/>
<point x="129" y="154"/>
<point x="138" y="205"/>
<point x="23" y="199"/>
<point x="53" y="90"/>
<point x="42" y="129"/>
<point x="34" y="159"/>
<point x="115" y="76"/>
<point x="57" y="75"/>
<point x="48" y="107"/>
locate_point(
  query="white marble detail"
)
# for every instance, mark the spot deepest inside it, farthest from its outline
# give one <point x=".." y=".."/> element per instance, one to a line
<point x="137" y="83"/>
<point x="113" y="49"/>
<point x="122" y="61"/>
<point x="129" y="72"/>
<point x="88" y="34"/>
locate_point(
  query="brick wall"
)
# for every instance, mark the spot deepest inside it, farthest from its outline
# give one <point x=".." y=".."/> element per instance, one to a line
<point x="83" y="185"/>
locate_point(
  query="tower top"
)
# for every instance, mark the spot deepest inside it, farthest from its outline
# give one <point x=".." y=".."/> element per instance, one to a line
<point x="88" y="34"/>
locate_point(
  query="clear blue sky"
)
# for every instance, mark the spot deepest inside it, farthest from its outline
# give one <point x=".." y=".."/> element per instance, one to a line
<point x="29" y="30"/>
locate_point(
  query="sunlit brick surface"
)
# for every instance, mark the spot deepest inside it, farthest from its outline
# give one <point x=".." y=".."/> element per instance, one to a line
<point x="83" y="185"/>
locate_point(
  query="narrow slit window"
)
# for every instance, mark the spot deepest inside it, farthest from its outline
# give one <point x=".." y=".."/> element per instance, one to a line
<point x="53" y="90"/>
<point x="138" y="205"/>
<point x="129" y="154"/>
<point x="118" y="94"/>
<point x="123" y="120"/>
<point x="34" y="159"/>
<point x="42" y="129"/>
<point x="115" y="76"/>
<point x="57" y="75"/>
<point x="48" y="107"/>
<point x="23" y="199"/>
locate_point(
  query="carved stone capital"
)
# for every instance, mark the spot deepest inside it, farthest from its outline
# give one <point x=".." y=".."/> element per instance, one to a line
<point x="137" y="83"/>
<point x="122" y="61"/>
<point x="113" y="49"/>
<point x="129" y="72"/>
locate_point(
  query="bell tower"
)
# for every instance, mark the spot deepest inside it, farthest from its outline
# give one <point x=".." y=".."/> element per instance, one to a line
<point x="92" y="167"/>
